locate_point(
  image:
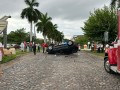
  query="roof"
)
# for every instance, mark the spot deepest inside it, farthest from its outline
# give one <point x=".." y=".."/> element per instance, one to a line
<point x="3" y="25"/>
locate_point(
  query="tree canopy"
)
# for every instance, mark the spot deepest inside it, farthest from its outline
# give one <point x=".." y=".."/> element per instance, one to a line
<point x="101" y="20"/>
<point x="81" y="40"/>
<point x="43" y="22"/>
<point x="48" y="29"/>
<point x="18" y="36"/>
<point x="31" y="13"/>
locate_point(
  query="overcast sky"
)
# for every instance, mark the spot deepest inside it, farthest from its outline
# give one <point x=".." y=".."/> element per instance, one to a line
<point x="69" y="15"/>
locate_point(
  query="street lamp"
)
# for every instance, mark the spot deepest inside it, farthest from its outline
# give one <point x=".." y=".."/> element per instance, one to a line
<point x="3" y="29"/>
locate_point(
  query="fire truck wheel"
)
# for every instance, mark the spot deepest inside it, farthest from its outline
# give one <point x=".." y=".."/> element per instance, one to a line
<point x="107" y="66"/>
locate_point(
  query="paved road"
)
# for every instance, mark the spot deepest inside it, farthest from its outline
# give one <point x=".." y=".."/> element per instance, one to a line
<point x="80" y="71"/>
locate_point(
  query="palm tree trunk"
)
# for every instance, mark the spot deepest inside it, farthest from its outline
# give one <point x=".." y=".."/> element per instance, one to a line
<point x="34" y="31"/>
<point x="31" y="32"/>
<point x="44" y="36"/>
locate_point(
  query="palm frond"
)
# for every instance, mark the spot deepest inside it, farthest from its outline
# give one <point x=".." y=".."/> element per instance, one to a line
<point x="28" y="2"/>
<point x="33" y="1"/>
<point x="38" y="13"/>
<point x="23" y="13"/>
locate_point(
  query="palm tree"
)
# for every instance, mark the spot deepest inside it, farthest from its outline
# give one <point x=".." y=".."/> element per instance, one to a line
<point x="44" y="25"/>
<point x="59" y="36"/>
<point x="54" y="34"/>
<point x="51" y="33"/>
<point x="113" y="3"/>
<point x="30" y="13"/>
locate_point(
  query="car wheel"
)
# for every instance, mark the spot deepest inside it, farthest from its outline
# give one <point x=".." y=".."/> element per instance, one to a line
<point x="70" y="43"/>
<point x="50" y="47"/>
<point x="107" y="66"/>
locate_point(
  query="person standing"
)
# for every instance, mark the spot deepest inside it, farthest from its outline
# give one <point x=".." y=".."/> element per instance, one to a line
<point x="22" y="47"/>
<point x="101" y="46"/>
<point x="34" y="49"/>
<point x="30" y="46"/>
<point x="38" y="47"/>
<point x="43" y="47"/>
<point x="79" y="47"/>
<point x="92" y="47"/>
<point x="25" y="45"/>
<point x="1" y="72"/>
<point x="1" y="55"/>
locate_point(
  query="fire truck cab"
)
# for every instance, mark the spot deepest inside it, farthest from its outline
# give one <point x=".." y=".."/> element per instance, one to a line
<point x="112" y="54"/>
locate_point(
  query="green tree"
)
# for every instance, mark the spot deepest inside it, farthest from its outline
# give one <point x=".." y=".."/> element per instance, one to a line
<point x="40" y="41"/>
<point x="50" y="33"/>
<point x="81" y="40"/>
<point x="54" y="34"/>
<point x="100" y="21"/>
<point x="58" y="36"/>
<point x="44" y="25"/>
<point x="30" y="13"/>
<point x="17" y="36"/>
<point x="1" y="39"/>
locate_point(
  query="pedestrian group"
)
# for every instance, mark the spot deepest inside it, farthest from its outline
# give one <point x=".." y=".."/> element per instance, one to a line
<point x="33" y="47"/>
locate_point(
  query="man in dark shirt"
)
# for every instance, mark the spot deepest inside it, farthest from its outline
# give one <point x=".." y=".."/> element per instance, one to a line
<point x="34" y="49"/>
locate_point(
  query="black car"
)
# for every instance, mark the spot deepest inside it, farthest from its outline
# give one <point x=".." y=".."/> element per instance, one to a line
<point x="68" y="48"/>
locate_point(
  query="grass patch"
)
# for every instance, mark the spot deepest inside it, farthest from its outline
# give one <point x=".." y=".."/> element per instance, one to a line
<point x="97" y="54"/>
<point x="8" y="58"/>
<point x="12" y="57"/>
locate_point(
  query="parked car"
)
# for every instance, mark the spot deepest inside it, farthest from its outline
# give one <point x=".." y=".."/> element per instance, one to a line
<point x="16" y="46"/>
<point x="68" y="48"/>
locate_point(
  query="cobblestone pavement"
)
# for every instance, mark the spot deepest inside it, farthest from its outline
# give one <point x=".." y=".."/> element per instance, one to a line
<point x="80" y="71"/>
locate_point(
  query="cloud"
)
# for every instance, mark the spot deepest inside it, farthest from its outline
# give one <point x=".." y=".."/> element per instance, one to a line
<point x="69" y="28"/>
<point x="71" y="9"/>
<point x="15" y="24"/>
<point x="69" y="15"/>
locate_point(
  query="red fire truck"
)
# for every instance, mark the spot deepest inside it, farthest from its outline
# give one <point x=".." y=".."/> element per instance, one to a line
<point x="112" y="56"/>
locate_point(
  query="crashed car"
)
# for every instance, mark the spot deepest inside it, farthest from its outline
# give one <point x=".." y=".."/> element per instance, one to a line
<point x="68" y="48"/>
